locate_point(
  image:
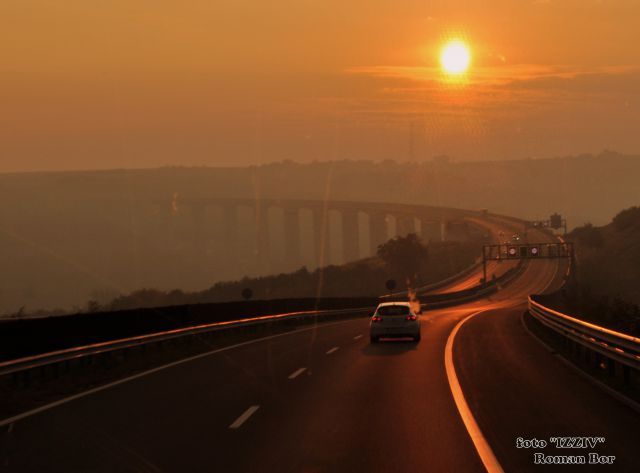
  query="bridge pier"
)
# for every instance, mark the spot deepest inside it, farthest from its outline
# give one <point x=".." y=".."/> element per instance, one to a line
<point x="350" y="236"/>
<point x="230" y="232"/>
<point x="240" y="238"/>
<point x="199" y="233"/>
<point x="262" y="238"/>
<point x="404" y="225"/>
<point x="377" y="231"/>
<point x="430" y="231"/>
<point x="292" y="254"/>
<point x="320" y="232"/>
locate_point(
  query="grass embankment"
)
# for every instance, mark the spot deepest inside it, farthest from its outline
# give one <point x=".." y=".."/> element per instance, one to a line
<point x="606" y="288"/>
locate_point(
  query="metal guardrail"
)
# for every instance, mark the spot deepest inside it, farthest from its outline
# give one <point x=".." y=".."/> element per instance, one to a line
<point x="458" y="297"/>
<point x="76" y="353"/>
<point x="616" y="346"/>
<point x="477" y="264"/>
<point x="27" y="364"/>
<point x="70" y="354"/>
<point x="423" y="290"/>
<point x="439" y="284"/>
<point x="462" y="297"/>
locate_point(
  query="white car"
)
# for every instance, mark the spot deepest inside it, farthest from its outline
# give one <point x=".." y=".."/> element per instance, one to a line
<point x="394" y="319"/>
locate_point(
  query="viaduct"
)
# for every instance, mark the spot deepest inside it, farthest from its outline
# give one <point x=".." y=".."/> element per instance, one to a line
<point x="274" y="235"/>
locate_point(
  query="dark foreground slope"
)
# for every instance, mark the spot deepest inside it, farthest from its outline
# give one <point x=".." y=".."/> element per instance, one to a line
<point x="605" y="288"/>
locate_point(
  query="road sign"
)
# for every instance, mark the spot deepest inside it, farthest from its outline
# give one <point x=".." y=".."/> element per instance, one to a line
<point x="528" y="250"/>
<point x="524" y="251"/>
<point x="391" y="284"/>
<point x="555" y="221"/>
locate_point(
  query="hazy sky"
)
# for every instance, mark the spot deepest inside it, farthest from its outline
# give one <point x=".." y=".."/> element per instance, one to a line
<point x="137" y="83"/>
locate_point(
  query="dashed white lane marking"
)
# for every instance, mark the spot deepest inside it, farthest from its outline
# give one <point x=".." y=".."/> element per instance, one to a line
<point x="243" y="418"/>
<point x="297" y="373"/>
<point x="482" y="446"/>
<point x="357" y="337"/>
<point x="332" y="350"/>
<point x="80" y="395"/>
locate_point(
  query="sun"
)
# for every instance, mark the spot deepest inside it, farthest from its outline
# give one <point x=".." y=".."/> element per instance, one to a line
<point x="455" y="57"/>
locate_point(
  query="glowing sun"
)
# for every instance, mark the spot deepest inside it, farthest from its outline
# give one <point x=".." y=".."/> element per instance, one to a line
<point x="455" y="57"/>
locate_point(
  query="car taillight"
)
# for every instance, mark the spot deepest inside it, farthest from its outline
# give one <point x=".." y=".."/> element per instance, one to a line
<point x="376" y="318"/>
<point x="410" y="317"/>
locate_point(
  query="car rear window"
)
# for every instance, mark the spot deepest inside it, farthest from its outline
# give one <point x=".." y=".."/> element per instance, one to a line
<point x="393" y="310"/>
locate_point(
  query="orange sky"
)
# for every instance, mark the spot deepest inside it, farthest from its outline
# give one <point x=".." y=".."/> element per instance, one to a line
<point x="138" y="83"/>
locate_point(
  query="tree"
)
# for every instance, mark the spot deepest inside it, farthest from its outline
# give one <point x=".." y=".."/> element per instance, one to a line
<point x="588" y="235"/>
<point x="93" y="306"/>
<point x="628" y="218"/>
<point x="404" y="256"/>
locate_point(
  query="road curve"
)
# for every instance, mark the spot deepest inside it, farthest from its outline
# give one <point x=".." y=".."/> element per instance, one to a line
<point x="494" y="227"/>
<point x="323" y="399"/>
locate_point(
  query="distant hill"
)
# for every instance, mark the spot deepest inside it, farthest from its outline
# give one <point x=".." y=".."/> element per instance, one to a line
<point x="605" y="289"/>
<point x="69" y="237"/>
<point x="365" y="277"/>
<point x="585" y="188"/>
<point x="608" y="257"/>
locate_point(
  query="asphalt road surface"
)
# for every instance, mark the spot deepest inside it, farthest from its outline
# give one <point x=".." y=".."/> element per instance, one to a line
<point x="323" y="399"/>
<point x="494" y="268"/>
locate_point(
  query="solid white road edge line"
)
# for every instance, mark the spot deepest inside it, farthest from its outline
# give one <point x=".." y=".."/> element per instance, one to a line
<point x="65" y="400"/>
<point x="332" y="350"/>
<point x="489" y="460"/>
<point x="297" y="373"/>
<point x="243" y="418"/>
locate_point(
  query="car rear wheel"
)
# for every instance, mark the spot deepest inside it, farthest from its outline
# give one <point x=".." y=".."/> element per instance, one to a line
<point x="417" y="338"/>
<point x="374" y="339"/>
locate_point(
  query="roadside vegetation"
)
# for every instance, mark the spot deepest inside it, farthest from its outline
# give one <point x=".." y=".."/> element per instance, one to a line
<point x="407" y="260"/>
<point x="606" y="287"/>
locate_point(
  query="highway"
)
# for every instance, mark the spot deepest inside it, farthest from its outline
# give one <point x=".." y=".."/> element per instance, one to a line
<point x="494" y="268"/>
<point x="474" y="278"/>
<point x="323" y="399"/>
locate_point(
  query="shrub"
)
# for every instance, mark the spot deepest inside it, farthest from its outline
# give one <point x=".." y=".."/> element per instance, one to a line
<point x="404" y="256"/>
<point x="628" y="218"/>
<point x="588" y="235"/>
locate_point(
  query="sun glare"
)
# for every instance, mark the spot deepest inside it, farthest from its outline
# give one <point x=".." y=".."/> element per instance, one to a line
<point x="455" y="57"/>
